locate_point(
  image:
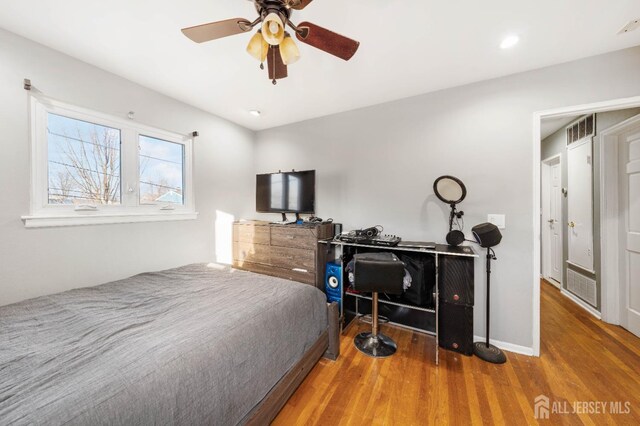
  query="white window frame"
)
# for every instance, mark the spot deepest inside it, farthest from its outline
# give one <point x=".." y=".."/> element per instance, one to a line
<point x="43" y="214"/>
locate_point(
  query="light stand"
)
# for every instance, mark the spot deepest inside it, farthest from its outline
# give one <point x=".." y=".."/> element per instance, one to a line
<point x="451" y="190"/>
<point x="454" y="214"/>
<point x="485" y="350"/>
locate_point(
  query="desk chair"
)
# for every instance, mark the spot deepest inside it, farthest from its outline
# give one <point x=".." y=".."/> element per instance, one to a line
<point x="377" y="272"/>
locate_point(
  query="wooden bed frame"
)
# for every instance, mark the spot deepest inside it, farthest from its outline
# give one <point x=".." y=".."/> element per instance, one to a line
<point x="327" y="346"/>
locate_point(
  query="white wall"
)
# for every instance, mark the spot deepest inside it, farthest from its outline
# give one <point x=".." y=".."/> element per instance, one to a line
<point x="377" y="165"/>
<point x="34" y="262"/>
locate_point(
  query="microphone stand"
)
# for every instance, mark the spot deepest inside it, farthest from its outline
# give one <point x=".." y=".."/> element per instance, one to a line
<point x="485" y="350"/>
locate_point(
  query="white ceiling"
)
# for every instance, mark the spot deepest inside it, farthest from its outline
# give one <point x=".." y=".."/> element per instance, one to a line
<point x="408" y="47"/>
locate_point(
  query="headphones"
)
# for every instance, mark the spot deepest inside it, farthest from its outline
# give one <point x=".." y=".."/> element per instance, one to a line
<point x="369" y="232"/>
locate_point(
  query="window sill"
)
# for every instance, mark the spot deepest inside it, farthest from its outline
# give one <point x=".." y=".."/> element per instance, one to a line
<point x="48" y="221"/>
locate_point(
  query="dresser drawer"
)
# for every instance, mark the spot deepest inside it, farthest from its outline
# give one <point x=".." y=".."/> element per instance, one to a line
<point x="275" y="271"/>
<point x="293" y="237"/>
<point x="291" y="258"/>
<point x="248" y="252"/>
<point x="250" y="233"/>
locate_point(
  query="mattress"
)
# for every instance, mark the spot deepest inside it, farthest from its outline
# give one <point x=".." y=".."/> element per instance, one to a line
<point x="199" y="344"/>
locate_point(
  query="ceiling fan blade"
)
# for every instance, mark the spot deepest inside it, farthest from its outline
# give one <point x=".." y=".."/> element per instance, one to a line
<point x="215" y="30"/>
<point x="277" y="69"/>
<point x="301" y="4"/>
<point x="323" y="39"/>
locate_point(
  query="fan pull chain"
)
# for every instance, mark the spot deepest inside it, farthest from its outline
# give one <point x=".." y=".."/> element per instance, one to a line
<point x="274" y="67"/>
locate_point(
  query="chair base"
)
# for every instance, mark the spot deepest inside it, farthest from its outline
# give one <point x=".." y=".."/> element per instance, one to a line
<point x="379" y="346"/>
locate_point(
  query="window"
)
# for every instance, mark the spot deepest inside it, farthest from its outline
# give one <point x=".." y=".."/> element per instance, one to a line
<point x="89" y="167"/>
<point x="83" y="162"/>
<point x="161" y="171"/>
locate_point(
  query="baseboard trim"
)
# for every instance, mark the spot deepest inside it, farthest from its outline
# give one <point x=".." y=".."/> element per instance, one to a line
<point x="553" y="282"/>
<point x="506" y="346"/>
<point x="584" y="305"/>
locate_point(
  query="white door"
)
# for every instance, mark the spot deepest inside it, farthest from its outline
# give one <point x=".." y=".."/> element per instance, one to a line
<point x="630" y="229"/>
<point x="555" y="223"/>
<point x="552" y="219"/>
<point x="580" y="203"/>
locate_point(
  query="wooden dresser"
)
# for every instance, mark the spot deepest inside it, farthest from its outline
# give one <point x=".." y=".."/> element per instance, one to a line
<point x="285" y="251"/>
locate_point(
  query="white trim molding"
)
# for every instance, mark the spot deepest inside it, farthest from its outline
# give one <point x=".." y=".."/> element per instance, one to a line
<point x="102" y="219"/>
<point x="584" y="305"/>
<point x="506" y="346"/>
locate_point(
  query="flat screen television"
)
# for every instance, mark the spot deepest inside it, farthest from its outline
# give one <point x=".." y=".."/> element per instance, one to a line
<point x="286" y="192"/>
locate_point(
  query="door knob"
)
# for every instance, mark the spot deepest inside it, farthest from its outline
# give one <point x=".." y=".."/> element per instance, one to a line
<point x="550" y="221"/>
<point x="572" y="225"/>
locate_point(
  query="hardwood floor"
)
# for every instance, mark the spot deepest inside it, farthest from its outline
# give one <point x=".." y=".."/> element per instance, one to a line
<point x="582" y="359"/>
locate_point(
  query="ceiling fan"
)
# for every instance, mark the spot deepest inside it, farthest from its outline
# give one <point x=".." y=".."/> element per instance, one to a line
<point x="272" y="42"/>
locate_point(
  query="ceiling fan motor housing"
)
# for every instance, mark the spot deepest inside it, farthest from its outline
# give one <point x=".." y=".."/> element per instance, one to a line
<point x="264" y="7"/>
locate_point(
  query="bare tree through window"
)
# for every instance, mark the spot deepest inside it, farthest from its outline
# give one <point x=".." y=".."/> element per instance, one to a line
<point x="161" y="171"/>
<point x="84" y="162"/>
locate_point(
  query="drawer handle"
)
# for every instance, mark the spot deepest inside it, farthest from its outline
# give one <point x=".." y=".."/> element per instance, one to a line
<point x="455" y="346"/>
<point x="291" y="237"/>
<point x="456" y="297"/>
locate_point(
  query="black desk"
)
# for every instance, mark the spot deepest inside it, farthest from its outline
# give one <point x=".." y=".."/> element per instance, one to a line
<point x="453" y="272"/>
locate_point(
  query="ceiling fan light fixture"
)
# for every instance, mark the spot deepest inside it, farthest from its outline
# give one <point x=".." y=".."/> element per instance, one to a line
<point x="273" y="29"/>
<point x="289" y="50"/>
<point x="258" y="47"/>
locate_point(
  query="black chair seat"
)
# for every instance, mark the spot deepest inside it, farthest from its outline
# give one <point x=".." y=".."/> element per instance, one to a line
<point x="377" y="272"/>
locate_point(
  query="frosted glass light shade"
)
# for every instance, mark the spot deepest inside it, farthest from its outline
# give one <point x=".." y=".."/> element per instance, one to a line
<point x="258" y="47"/>
<point x="273" y="29"/>
<point x="289" y="51"/>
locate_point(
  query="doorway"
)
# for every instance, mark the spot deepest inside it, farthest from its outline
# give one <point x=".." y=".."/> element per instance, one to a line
<point x="621" y="211"/>
<point x="608" y="296"/>
<point x="552" y="220"/>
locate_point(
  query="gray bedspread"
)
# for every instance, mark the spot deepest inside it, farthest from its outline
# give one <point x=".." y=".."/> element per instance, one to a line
<point x="192" y="345"/>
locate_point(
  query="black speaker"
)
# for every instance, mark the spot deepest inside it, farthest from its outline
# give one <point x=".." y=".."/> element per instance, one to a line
<point x="487" y="234"/>
<point x="456" y="280"/>
<point x="455" y="324"/>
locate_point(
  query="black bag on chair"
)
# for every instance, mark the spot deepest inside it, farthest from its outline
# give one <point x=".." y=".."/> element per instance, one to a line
<point x="422" y="271"/>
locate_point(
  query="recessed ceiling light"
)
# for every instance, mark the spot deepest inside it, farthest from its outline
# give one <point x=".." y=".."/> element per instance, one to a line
<point x="509" y="41"/>
<point x="254" y="112"/>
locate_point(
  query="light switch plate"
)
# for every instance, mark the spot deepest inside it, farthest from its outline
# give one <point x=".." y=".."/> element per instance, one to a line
<point x="497" y="219"/>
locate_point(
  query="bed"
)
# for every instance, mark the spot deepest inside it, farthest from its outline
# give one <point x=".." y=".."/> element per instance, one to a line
<point x="199" y="344"/>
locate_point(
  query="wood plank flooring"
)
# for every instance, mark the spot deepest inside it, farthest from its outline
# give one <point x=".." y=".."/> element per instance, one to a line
<point x="582" y="359"/>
